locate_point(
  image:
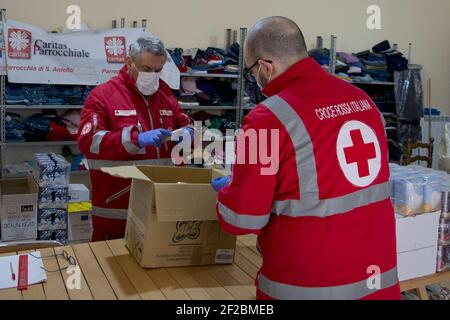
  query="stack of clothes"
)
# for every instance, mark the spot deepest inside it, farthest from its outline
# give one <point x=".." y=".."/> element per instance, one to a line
<point x="210" y="121"/>
<point x="212" y="60"/>
<point x="41" y="94"/>
<point x="207" y="92"/>
<point x="45" y="126"/>
<point x="366" y="66"/>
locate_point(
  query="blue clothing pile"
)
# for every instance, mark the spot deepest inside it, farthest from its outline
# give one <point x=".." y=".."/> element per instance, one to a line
<point x="39" y="94"/>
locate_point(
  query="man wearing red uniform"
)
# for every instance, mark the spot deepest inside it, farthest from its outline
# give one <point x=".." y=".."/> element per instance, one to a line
<point x="127" y="121"/>
<point x="324" y="219"/>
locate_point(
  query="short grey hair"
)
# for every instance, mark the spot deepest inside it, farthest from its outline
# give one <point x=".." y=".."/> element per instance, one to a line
<point x="148" y="44"/>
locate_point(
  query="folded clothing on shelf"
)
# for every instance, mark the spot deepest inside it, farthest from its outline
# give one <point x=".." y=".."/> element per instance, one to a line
<point x="322" y="56"/>
<point x="222" y="123"/>
<point x="14" y="128"/>
<point x="41" y="94"/>
<point x="211" y="60"/>
<point x="45" y="126"/>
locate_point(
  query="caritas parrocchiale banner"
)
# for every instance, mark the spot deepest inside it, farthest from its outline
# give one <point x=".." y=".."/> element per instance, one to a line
<point x="34" y="55"/>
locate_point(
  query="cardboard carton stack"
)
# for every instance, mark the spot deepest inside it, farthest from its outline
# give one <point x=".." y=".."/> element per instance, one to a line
<point x="417" y="195"/>
<point x="51" y="173"/>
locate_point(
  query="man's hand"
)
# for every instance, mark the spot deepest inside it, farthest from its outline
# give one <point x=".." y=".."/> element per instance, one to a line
<point x="153" y="138"/>
<point x="220" y="183"/>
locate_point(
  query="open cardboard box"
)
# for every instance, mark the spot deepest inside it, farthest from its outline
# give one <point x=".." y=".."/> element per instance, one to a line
<point x="18" y="209"/>
<point x="172" y="218"/>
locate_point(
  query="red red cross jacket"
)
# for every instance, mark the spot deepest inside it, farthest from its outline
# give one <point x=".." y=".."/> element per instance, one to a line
<point x="324" y="219"/>
<point x="112" y="117"/>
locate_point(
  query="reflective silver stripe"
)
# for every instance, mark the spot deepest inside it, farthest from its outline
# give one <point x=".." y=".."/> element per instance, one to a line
<point x="96" y="141"/>
<point x="127" y="143"/>
<point x="118" y="214"/>
<point x="310" y="204"/>
<point x="94" y="120"/>
<point x="243" y="221"/>
<point x="98" y="164"/>
<point x="352" y="291"/>
<point x="328" y="207"/>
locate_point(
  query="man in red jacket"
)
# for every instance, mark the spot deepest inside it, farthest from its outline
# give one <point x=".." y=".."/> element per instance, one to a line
<point x="127" y="121"/>
<point x="324" y="219"/>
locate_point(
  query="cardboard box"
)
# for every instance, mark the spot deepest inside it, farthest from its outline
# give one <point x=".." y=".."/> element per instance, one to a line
<point x="80" y="222"/>
<point x="58" y="235"/>
<point x="51" y="197"/>
<point x="417" y="240"/>
<point x="172" y="218"/>
<point x="78" y="193"/>
<point x="18" y="209"/>
<point x="52" y="219"/>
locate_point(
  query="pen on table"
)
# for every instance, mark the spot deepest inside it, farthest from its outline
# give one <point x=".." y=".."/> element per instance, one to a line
<point x="13" y="275"/>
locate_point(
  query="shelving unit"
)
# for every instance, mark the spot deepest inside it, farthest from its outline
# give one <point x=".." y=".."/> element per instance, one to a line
<point x="9" y="151"/>
<point x="42" y="107"/>
<point x="210" y="75"/>
<point x="208" y="107"/>
<point x="239" y="105"/>
<point x="380" y="87"/>
<point x="8" y="148"/>
<point x="40" y="143"/>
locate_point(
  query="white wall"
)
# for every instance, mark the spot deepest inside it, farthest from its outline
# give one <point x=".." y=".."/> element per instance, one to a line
<point x="200" y="23"/>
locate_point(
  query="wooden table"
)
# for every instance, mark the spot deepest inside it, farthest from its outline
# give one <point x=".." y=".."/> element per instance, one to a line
<point x="419" y="284"/>
<point x="109" y="272"/>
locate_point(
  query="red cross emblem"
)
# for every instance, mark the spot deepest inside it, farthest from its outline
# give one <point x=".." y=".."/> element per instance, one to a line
<point x="360" y="153"/>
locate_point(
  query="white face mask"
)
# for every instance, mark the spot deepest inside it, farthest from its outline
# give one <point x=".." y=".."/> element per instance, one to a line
<point x="261" y="87"/>
<point x="147" y="83"/>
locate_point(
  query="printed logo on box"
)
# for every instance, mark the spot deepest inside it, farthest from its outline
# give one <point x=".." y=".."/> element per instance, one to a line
<point x="27" y="208"/>
<point x="115" y="49"/>
<point x="187" y="230"/>
<point x="19" y="44"/>
<point x="11" y="209"/>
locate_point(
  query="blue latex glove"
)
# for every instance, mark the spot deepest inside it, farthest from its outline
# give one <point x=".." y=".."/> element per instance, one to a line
<point x="220" y="183"/>
<point x="186" y="129"/>
<point x="153" y="137"/>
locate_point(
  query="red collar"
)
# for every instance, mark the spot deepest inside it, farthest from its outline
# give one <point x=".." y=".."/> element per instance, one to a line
<point x="301" y="70"/>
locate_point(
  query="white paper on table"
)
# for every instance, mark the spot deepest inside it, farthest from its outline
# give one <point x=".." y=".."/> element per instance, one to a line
<point x="35" y="272"/>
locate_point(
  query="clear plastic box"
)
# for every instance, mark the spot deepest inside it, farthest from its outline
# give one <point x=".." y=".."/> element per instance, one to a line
<point x="416" y="190"/>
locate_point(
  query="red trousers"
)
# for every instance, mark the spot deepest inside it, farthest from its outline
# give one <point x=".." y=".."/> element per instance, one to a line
<point x="107" y="229"/>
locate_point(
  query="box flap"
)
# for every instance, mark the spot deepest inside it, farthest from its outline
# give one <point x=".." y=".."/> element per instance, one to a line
<point x="185" y="202"/>
<point x="18" y="187"/>
<point x="127" y="172"/>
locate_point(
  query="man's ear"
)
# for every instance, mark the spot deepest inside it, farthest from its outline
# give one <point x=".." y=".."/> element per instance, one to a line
<point x="268" y="67"/>
<point x="129" y="62"/>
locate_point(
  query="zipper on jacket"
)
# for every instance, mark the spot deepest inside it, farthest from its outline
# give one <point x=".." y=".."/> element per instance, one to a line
<point x="151" y="122"/>
<point x="162" y="126"/>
